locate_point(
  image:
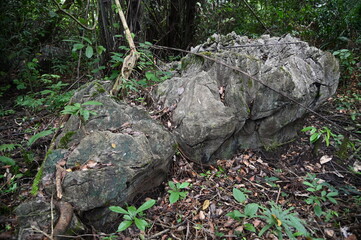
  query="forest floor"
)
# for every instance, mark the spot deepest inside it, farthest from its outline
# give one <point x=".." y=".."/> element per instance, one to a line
<point x="273" y="177"/>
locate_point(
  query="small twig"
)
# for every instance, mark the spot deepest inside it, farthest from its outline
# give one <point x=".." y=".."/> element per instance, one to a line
<point x="159" y="233"/>
<point x="52" y="215"/>
<point x="42" y="232"/>
<point x="278" y="195"/>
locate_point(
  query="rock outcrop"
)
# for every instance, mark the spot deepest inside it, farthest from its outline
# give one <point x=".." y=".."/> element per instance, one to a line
<point x="218" y="109"/>
<point x="119" y="153"/>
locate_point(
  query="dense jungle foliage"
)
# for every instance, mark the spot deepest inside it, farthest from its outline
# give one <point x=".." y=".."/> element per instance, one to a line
<point x="49" y="48"/>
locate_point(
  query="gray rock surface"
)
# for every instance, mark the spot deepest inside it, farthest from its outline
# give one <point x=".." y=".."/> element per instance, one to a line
<point x="218" y="110"/>
<point x="119" y="153"/>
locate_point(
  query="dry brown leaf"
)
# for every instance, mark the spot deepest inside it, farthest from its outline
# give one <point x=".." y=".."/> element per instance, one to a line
<point x="256" y="222"/>
<point x="205" y="204"/>
<point x="239" y="229"/>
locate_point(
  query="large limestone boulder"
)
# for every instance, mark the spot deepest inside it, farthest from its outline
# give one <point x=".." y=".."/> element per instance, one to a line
<point x="115" y="155"/>
<point x="218" y="110"/>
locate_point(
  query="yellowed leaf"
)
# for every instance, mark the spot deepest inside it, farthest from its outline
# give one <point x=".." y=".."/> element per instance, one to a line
<point x="279" y="222"/>
<point x="113" y="145"/>
<point x="205" y="204"/>
<point x="69" y="170"/>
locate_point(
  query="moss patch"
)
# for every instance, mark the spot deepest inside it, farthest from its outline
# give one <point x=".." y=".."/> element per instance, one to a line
<point x="64" y="141"/>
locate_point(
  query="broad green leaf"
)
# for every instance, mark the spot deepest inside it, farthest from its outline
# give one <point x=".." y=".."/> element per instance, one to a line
<point x="87" y="40"/>
<point x="308" y="184"/>
<point x="151" y="77"/>
<point x="132" y="210"/>
<point x="314" y="137"/>
<point x="39" y="135"/>
<point x="235" y="214"/>
<point x="330" y="194"/>
<point x="92" y="103"/>
<point x="101" y="49"/>
<point x="77" y="46"/>
<point x="140" y="223"/>
<point x="183" y="194"/>
<point x="118" y="209"/>
<point x="148" y="204"/>
<point x="124" y="225"/>
<point x="319" y="187"/>
<point x="184" y="185"/>
<point x="311" y="189"/>
<point x="171" y="185"/>
<point x="331" y="199"/>
<point x="85" y="113"/>
<point x="317" y="209"/>
<point x="249" y="227"/>
<point x="7" y="161"/>
<point x="239" y="195"/>
<point x="306" y="129"/>
<point x="251" y="209"/>
<point x="89" y="51"/>
<point x="47" y="91"/>
<point x="127" y="217"/>
<point x="173" y="197"/>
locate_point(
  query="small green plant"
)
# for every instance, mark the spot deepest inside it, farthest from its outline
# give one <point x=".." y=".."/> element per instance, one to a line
<point x="51" y="98"/>
<point x="347" y="60"/>
<point x="133" y="215"/>
<point x="325" y="133"/>
<point x="282" y="221"/>
<point x="175" y="192"/>
<point x="88" y="45"/>
<point x="6" y="149"/>
<point x="11" y="184"/>
<point x="278" y="220"/>
<point x="147" y="73"/>
<point x="80" y="111"/>
<point x="321" y="193"/>
<point x="272" y="181"/>
<point x="250" y="210"/>
<point x="347" y="103"/>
